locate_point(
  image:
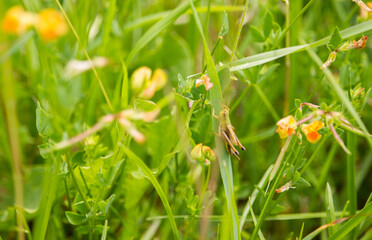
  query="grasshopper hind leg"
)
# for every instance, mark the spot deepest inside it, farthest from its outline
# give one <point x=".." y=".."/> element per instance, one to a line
<point x="230" y="147"/>
<point x="232" y="152"/>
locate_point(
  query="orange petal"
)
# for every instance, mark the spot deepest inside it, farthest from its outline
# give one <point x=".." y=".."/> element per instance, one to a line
<point x="313" y="137"/>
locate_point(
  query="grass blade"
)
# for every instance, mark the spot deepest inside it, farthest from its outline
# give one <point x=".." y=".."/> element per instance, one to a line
<point x="350" y="176"/>
<point x="223" y="157"/>
<point x="137" y="23"/>
<point x="353" y="223"/>
<point x="330" y="209"/>
<point x="239" y="31"/>
<point x="104" y="233"/>
<point x="265" y="57"/>
<point x="156" y="185"/>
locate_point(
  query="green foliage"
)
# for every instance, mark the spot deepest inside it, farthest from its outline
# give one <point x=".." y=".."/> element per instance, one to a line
<point x="336" y="40"/>
<point x="76" y="167"/>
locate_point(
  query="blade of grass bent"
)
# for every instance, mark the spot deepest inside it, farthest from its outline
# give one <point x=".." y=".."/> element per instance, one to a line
<point x="223" y="156"/>
<point x="156" y="185"/>
<point x="265" y="57"/>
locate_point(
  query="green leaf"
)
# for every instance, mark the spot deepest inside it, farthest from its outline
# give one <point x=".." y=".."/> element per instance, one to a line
<point x="267" y="24"/>
<point x="302" y="183"/>
<point x="80" y="205"/>
<point x="298" y="102"/>
<point x="78" y="158"/>
<point x="266" y="72"/>
<point x="105" y="205"/>
<point x="144" y="105"/>
<point x="86" y="229"/>
<point x="75" y="218"/>
<point x="225" y="25"/>
<point x="336" y="40"/>
<point x="43" y="122"/>
<point x="256" y="34"/>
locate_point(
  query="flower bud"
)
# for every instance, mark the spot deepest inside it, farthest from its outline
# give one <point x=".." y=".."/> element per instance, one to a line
<point x="196" y="153"/>
<point x="208" y="153"/>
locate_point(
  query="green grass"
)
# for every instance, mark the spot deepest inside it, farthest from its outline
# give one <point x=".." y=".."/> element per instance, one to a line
<point x="73" y="162"/>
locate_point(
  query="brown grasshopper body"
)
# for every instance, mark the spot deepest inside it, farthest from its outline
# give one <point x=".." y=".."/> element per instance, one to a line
<point x="226" y="132"/>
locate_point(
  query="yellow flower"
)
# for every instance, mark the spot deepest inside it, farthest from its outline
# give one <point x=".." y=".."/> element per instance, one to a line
<point x="17" y="21"/>
<point x="50" y="24"/>
<point x="157" y="82"/>
<point x="140" y="77"/>
<point x="311" y="131"/>
<point x="286" y="126"/>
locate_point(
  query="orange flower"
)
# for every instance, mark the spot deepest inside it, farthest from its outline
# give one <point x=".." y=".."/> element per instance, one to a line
<point x="361" y="43"/>
<point x="50" y="24"/>
<point x="311" y="131"/>
<point x="17" y="21"/>
<point x="204" y="80"/>
<point x="286" y="126"/>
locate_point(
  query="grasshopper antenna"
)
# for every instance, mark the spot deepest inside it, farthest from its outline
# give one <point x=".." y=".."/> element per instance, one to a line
<point x="232" y="93"/>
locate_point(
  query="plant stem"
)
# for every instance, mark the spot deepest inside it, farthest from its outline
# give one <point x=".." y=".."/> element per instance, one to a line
<point x="9" y="109"/>
<point x="239" y="31"/>
<point x="287" y="63"/>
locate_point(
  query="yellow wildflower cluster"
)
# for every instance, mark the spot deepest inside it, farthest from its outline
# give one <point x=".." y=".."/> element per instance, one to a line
<point x="288" y="125"/>
<point x="49" y="23"/>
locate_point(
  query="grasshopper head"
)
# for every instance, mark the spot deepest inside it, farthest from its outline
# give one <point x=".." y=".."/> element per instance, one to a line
<point x="224" y="114"/>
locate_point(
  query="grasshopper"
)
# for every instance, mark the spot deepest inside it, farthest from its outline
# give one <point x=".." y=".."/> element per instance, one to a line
<point x="226" y="132"/>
